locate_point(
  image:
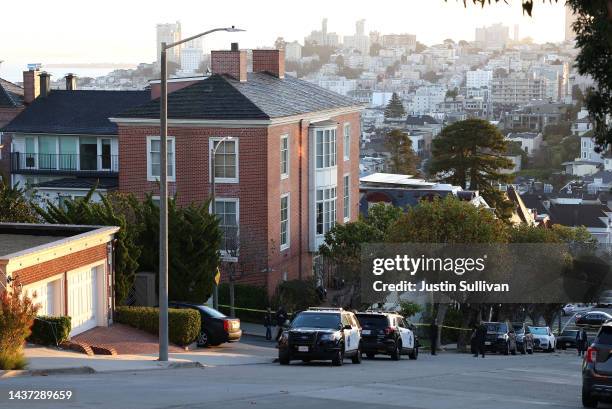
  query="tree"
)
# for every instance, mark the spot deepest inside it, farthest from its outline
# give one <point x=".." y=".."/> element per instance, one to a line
<point x="471" y="153"/>
<point x="194" y="239"/>
<point x="452" y="93"/>
<point x="280" y="43"/>
<point x="17" y="313"/>
<point x="15" y="207"/>
<point x="84" y="211"/>
<point x="395" y="108"/>
<point x="403" y="160"/>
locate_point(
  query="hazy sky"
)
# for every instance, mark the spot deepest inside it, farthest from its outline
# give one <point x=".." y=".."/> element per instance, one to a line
<point x="124" y="30"/>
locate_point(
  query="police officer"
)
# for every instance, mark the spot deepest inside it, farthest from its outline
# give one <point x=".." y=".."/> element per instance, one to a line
<point x="433" y="336"/>
<point x="481" y="334"/>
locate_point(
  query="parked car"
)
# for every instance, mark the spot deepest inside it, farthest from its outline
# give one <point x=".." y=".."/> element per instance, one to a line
<point x="321" y="334"/>
<point x="524" y="338"/>
<point x="605" y="299"/>
<point x="387" y="333"/>
<point x="567" y="339"/>
<point x="217" y="328"/>
<point x="500" y="338"/>
<point x="543" y="339"/>
<point x="597" y="369"/>
<point x="593" y="318"/>
<point x="571" y="309"/>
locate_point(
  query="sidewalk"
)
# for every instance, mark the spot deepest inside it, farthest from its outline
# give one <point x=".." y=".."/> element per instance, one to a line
<point x="257" y="330"/>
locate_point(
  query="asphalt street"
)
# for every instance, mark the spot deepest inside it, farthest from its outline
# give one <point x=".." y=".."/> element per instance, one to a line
<point x="449" y="380"/>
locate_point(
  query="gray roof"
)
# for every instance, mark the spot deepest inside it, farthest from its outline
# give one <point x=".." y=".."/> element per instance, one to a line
<point x="523" y="135"/>
<point x="262" y="96"/>
<point x="11" y="95"/>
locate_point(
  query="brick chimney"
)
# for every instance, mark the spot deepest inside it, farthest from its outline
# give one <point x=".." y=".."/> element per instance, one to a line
<point x="45" y="84"/>
<point x="270" y="61"/>
<point x="71" y="82"/>
<point x="31" y="85"/>
<point x="232" y="63"/>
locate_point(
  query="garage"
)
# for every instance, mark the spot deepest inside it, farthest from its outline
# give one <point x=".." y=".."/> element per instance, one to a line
<point x="82" y="300"/>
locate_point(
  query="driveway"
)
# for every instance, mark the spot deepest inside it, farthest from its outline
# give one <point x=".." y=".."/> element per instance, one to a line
<point x="125" y="339"/>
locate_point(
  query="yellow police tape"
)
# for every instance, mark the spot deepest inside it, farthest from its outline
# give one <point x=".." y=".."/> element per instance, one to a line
<point x="264" y="311"/>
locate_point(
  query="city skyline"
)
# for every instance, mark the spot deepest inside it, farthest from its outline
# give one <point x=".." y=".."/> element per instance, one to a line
<point x="96" y="43"/>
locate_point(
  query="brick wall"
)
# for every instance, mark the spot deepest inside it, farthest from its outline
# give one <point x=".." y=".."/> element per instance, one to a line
<point x="60" y="265"/>
<point x="271" y="61"/>
<point x="233" y="63"/>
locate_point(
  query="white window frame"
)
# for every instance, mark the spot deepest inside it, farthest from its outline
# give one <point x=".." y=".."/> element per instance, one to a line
<point x="224" y="254"/>
<point x="285" y="246"/>
<point x="211" y="146"/>
<point x="346" y="198"/>
<point x="150" y="176"/>
<point x="329" y="154"/>
<point x="330" y="206"/>
<point x="285" y="137"/>
<point x="346" y="132"/>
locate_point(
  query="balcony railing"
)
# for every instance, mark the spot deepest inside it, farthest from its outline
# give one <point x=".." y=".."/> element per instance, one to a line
<point x="69" y="163"/>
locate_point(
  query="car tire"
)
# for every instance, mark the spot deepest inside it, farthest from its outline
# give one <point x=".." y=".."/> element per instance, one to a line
<point x="414" y="354"/>
<point x="356" y="359"/>
<point x="530" y="351"/>
<point x="202" y="341"/>
<point x="338" y="359"/>
<point x="370" y="355"/>
<point x="564" y="348"/>
<point x="397" y="352"/>
<point x="588" y="401"/>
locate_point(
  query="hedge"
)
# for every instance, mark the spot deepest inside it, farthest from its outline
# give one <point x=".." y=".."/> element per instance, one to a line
<point x="48" y="330"/>
<point x="184" y="324"/>
<point x="245" y="296"/>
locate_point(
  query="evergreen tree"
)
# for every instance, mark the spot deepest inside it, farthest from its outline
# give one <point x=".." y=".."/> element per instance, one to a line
<point x="15" y="207"/>
<point x="395" y="108"/>
<point x="403" y="160"/>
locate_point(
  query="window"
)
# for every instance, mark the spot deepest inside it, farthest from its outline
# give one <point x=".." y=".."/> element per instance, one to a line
<point x="347" y="141"/>
<point x="347" y="198"/>
<point x="284" y="222"/>
<point x="154" y="158"/>
<point x="284" y="156"/>
<point x="226" y="160"/>
<point x="325" y="148"/>
<point x="325" y="209"/>
<point x="228" y="212"/>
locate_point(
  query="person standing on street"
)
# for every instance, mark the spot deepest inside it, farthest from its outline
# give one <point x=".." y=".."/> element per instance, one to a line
<point x="474" y="341"/>
<point x="281" y="318"/>
<point x="268" y="324"/>
<point x="481" y="334"/>
<point x="581" y="341"/>
<point x="434" y="336"/>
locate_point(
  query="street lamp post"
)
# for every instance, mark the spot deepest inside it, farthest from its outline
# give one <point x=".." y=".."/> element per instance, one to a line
<point x="163" y="191"/>
<point x="213" y="154"/>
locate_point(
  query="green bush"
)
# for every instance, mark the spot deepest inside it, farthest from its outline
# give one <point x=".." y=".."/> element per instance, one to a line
<point x="245" y="296"/>
<point x="50" y="330"/>
<point x="296" y="295"/>
<point x="184" y="324"/>
<point x="12" y="359"/>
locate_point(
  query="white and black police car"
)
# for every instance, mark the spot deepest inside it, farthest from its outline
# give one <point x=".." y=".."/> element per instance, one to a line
<point x="321" y="334"/>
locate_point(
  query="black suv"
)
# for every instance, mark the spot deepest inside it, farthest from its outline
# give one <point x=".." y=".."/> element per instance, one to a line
<point x="387" y="333"/>
<point x="321" y="334"/>
<point x="500" y="338"/>
<point x="597" y="369"/>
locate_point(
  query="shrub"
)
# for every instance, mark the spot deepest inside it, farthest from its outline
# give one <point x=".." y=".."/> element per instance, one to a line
<point x="245" y="296"/>
<point x="17" y="314"/>
<point x="50" y="330"/>
<point x="296" y="295"/>
<point x="184" y="325"/>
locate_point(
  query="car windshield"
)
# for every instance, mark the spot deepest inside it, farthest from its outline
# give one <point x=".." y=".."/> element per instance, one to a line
<point x="314" y="320"/>
<point x="372" y="321"/>
<point x="539" y="330"/>
<point x="569" y="333"/>
<point x="518" y="329"/>
<point x="212" y="312"/>
<point x="498" y="327"/>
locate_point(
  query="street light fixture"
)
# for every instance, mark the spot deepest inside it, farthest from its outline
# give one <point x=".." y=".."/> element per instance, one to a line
<point x="163" y="191"/>
<point x="213" y="154"/>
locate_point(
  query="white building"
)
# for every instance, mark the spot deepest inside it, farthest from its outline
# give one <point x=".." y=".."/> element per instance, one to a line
<point x="479" y="78"/>
<point x="427" y="98"/>
<point x="530" y="141"/>
<point x="293" y="51"/>
<point x="169" y="33"/>
<point x="495" y="36"/>
<point x="191" y="58"/>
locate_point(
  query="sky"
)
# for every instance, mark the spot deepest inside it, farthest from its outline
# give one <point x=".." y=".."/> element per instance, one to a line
<point x="123" y="31"/>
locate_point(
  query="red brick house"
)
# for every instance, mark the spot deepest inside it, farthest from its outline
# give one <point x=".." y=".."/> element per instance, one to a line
<point x="68" y="270"/>
<point x="11" y="104"/>
<point x="288" y="171"/>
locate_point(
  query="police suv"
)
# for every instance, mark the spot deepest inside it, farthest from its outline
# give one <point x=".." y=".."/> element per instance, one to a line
<point x="321" y="334"/>
<point x="387" y="333"/>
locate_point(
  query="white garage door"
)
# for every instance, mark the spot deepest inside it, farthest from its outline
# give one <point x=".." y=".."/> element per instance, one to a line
<point x="42" y="294"/>
<point x="82" y="300"/>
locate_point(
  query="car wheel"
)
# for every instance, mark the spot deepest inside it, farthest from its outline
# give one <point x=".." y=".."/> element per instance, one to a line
<point x="397" y="352"/>
<point x="588" y="401"/>
<point x="338" y="359"/>
<point x="530" y="351"/>
<point x="356" y="359"/>
<point x="414" y="354"/>
<point x="370" y="355"/>
<point x="202" y="340"/>
<point x="564" y="347"/>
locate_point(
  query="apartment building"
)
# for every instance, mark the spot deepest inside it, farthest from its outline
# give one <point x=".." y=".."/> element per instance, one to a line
<point x="62" y="143"/>
<point x="286" y="159"/>
<point x="517" y="89"/>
